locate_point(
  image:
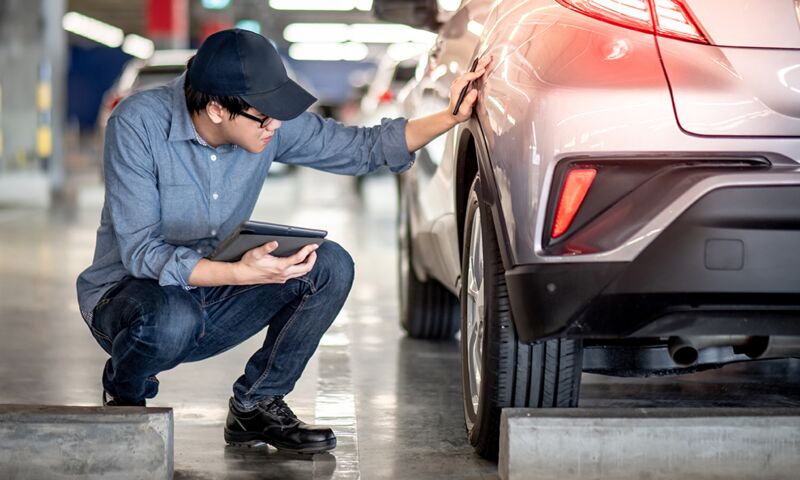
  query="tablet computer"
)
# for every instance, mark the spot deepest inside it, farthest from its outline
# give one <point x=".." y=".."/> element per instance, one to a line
<point x="251" y="234"/>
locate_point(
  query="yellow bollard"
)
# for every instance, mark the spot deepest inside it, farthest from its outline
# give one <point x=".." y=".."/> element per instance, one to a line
<point x="44" y="136"/>
<point x="1" y="123"/>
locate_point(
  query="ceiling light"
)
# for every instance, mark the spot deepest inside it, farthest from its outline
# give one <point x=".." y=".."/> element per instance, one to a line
<point x="359" y="32"/>
<point x="216" y="4"/>
<point x="137" y="46"/>
<point x="249" y="24"/>
<point x="309" y="32"/>
<point x="403" y="51"/>
<point x="475" y="28"/>
<point x="449" y="5"/>
<point x="336" y="5"/>
<point x="93" y="29"/>
<point x="388" y="33"/>
<point x="328" y="51"/>
<point x="364" y="5"/>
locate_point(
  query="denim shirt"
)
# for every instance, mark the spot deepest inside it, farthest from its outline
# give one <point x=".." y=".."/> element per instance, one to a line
<point x="170" y="197"/>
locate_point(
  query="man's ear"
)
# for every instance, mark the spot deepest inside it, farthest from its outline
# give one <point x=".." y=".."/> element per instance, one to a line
<point x="215" y="112"/>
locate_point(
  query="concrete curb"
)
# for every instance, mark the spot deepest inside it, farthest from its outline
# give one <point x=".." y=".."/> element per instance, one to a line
<point x="86" y="442"/>
<point x="666" y="443"/>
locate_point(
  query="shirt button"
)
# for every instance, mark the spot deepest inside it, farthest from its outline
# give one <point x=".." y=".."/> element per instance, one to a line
<point x="200" y="250"/>
<point x="213" y="158"/>
<point x="213" y="232"/>
<point x="215" y="196"/>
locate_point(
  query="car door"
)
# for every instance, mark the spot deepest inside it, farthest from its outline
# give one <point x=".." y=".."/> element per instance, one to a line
<point x="431" y="183"/>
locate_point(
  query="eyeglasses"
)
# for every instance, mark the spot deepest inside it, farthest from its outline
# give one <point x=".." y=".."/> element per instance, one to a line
<point x="262" y="122"/>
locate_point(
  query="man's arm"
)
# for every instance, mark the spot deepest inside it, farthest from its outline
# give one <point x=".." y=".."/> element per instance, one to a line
<point x="420" y="131"/>
<point x="325" y="144"/>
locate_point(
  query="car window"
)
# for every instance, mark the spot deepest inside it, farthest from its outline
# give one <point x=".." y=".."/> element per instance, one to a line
<point x="151" y="76"/>
<point x="404" y="73"/>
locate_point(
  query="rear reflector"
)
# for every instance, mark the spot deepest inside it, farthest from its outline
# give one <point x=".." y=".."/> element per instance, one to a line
<point x="672" y="18"/>
<point x="572" y="195"/>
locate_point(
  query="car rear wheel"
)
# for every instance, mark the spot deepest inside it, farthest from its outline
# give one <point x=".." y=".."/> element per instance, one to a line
<point x="498" y="370"/>
<point x="427" y="309"/>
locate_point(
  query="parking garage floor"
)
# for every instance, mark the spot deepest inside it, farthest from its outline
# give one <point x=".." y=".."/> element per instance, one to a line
<point x="394" y="402"/>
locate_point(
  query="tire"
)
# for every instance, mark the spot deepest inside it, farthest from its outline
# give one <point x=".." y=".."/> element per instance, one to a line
<point x="498" y="370"/>
<point x="427" y="309"/>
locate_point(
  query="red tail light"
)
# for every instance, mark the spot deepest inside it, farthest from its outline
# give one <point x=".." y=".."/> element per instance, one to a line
<point x="386" y="97"/>
<point x="114" y="102"/>
<point x="669" y="18"/>
<point x="572" y="195"/>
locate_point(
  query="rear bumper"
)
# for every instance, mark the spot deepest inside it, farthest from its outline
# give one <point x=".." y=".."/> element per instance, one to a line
<point x="728" y="265"/>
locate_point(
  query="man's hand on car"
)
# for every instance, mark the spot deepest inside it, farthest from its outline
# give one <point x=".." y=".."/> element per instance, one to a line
<point x="420" y="131"/>
<point x="465" y="109"/>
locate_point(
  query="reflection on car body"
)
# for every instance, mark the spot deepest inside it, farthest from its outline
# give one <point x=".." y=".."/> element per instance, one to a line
<point x="625" y="200"/>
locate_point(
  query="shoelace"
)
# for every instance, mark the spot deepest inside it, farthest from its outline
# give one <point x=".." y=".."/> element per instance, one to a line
<point x="279" y="407"/>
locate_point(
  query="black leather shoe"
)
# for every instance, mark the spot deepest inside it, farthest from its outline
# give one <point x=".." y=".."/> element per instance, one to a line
<point x="110" y="401"/>
<point x="273" y="422"/>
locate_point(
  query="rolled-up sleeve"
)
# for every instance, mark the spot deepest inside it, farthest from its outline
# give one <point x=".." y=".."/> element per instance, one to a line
<point x="328" y="145"/>
<point x="133" y="200"/>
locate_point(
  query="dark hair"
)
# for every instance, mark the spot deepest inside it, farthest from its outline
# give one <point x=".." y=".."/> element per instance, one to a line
<point x="197" y="101"/>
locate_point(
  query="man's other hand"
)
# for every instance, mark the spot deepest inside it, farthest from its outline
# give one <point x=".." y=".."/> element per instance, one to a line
<point x="260" y="266"/>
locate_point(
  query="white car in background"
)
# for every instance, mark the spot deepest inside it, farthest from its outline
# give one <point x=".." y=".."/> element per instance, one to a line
<point x="137" y="74"/>
<point x="382" y="95"/>
<point x="380" y="99"/>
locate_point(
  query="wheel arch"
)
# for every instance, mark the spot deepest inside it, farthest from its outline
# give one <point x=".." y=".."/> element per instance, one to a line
<point x="473" y="158"/>
<point x="466" y="170"/>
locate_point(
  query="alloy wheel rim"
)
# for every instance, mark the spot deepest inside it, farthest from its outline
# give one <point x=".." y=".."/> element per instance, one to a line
<point x="475" y="311"/>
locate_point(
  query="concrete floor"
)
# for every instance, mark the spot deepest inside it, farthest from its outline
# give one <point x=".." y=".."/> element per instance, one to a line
<point x="395" y="403"/>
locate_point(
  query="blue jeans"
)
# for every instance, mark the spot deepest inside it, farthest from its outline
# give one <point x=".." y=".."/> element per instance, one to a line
<point x="148" y="328"/>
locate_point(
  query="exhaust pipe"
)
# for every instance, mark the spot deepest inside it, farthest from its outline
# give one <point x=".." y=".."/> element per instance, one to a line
<point x="685" y="351"/>
<point x="781" y="347"/>
<point x="682" y="351"/>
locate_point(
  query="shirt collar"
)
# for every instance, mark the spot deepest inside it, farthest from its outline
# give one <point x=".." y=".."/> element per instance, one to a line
<point x="181" y="126"/>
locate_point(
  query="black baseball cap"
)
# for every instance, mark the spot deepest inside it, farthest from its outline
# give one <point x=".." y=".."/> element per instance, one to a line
<point x="244" y="64"/>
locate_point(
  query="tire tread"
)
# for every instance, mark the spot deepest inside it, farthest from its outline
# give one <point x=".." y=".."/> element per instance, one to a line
<point x="543" y="374"/>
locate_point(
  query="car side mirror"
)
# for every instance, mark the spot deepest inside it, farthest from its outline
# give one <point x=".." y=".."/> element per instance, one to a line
<point x="415" y="13"/>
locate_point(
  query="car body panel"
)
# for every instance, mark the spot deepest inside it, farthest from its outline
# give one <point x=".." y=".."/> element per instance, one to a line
<point x="731" y="91"/>
<point x="749" y="23"/>
<point x="538" y="105"/>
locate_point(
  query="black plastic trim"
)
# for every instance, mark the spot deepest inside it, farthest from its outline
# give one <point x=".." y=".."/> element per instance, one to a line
<point x="489" y="185"/>
<point x="728" y="265"/>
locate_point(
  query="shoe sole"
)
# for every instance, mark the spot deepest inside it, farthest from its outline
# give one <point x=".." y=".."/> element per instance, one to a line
<point x="251" y="439"/>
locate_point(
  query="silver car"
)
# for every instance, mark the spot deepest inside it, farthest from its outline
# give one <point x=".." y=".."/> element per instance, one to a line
<point x="625" y="200"/>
